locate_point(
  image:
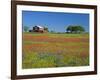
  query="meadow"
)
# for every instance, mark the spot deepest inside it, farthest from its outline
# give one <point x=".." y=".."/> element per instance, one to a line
<point x="44" y="50"/>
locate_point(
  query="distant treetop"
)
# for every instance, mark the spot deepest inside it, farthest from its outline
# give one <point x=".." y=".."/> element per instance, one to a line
<point x="75" y="29"/>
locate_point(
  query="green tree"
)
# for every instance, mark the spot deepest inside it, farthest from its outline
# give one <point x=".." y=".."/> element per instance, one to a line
<point x="46" y="29"/>
<point x="75" y="29"/>
<point x="26" y="28"/>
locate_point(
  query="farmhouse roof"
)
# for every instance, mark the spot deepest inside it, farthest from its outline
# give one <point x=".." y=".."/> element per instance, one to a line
<point x="39" y="26"/>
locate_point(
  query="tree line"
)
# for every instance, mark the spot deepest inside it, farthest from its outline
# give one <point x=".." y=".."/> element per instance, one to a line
<point x="69" y="29"/>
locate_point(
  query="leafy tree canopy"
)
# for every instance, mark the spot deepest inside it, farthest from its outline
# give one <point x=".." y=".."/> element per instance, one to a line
<point x="26" y="28"/>
<point x="75" y="29"/>
<point x="46" y="28"/>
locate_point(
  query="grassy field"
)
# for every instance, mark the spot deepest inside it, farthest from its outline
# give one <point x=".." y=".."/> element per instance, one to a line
<point x="43" y="50"/>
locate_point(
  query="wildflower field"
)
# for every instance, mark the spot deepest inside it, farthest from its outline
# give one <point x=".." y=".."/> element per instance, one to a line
<point x="44" y="50"/>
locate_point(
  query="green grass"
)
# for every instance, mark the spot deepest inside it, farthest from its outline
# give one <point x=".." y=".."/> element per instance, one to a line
<point x="41" y="60"/>
<point x="58" y="35"/>
<point x="44" y="54"/>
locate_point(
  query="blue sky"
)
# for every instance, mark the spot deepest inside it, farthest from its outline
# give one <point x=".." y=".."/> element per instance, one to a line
<point x="56" y="21"/>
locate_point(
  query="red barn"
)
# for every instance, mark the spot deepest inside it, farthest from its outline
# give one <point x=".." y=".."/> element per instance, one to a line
<point x="37" y="29"/>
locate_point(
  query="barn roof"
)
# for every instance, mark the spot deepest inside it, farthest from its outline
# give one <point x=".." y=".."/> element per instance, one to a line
<point x="39" y="26"/>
